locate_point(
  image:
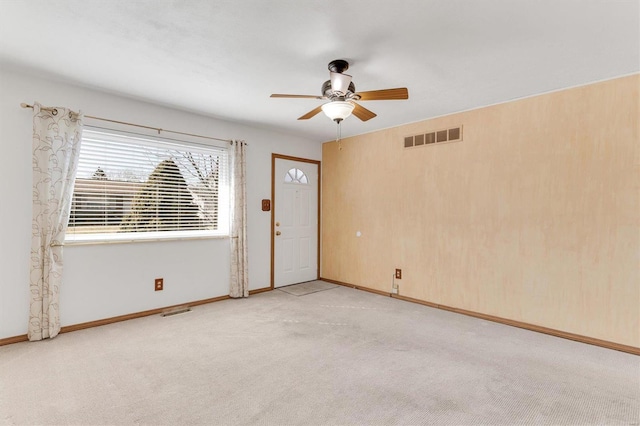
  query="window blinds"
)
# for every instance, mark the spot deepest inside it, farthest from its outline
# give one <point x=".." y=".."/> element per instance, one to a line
<point x="131" y="186"/>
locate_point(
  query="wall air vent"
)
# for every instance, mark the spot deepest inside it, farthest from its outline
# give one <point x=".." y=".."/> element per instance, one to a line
<point x="408" y="141"/>
<point x="435" y="137"/>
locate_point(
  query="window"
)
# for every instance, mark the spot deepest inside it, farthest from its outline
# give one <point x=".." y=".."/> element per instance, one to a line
<point x="296" y="176"/>
<point x="131" y="187"/>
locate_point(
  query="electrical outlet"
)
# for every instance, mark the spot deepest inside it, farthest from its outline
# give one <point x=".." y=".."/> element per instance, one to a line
<point x="395" y="289"/>
<point x="398" y="274"/>
<point x="159" y="284"/>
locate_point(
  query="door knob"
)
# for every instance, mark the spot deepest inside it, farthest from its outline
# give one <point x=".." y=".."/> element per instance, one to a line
<point x="278" y="232"/>
<point x="277" y="223"/>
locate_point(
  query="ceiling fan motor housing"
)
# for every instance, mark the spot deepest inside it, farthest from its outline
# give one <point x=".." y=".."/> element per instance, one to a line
<point x="331" y="95"/>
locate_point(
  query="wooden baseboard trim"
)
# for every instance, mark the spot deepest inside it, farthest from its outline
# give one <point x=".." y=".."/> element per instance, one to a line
<point x="14" y="339"/>
<point x="357" y="287"/>
<point x="259" y="290"/>
<point x="553" y="332"/>
<point x="202" y="302"/>
<point x="106" y="321"/>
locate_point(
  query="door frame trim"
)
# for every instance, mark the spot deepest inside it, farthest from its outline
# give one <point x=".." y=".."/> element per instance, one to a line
<point x="273" y="208"/>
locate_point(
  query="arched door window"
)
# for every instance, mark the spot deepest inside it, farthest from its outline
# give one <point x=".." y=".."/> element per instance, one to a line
<point x="296" y="176"/>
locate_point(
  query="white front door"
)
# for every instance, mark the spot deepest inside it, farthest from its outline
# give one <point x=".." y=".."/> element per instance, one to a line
<point x="295" y="222"/>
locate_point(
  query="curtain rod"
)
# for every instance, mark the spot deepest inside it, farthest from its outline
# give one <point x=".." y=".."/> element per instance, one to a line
<point x="157" y="129"/>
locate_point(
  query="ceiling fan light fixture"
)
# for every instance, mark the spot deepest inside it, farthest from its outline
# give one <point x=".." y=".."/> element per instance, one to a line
<point x="338" y="110"/>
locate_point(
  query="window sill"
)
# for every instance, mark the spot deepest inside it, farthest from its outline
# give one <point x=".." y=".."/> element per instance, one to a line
<point x="150" y="239"/>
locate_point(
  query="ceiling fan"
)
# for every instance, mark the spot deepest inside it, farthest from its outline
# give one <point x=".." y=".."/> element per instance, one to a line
<point x="341" y="93"/>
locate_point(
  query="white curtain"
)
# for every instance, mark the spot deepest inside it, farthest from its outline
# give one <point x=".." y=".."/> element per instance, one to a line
<point x="56" y="145"/>
<point x="239" y="286"/>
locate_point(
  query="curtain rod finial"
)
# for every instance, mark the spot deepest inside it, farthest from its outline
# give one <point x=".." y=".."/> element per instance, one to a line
<point x="24" y="105"/>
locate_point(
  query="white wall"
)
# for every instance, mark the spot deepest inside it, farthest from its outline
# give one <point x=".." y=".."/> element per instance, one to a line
<point x="102" y="281"/>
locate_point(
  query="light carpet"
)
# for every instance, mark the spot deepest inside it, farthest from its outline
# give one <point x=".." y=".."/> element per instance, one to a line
<point x="334" y="357"/>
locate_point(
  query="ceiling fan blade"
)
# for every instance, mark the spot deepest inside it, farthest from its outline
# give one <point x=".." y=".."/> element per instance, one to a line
<point x="362" y="113"/>
<point x="311" y="113"/>
<point x="383" y="95"/>
<point x="340" y="82"/>
<point x="278" y="95"/>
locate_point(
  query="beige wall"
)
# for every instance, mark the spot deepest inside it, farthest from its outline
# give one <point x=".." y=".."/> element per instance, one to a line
<point x="534" y="217"/>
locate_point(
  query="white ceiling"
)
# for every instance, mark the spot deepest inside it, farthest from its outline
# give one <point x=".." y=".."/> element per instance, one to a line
<point x="223" y="58"/>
